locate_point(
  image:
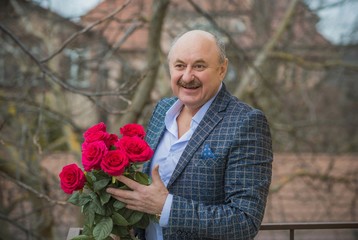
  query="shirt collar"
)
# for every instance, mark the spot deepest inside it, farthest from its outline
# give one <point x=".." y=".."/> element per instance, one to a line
<point x="173" y="112"/>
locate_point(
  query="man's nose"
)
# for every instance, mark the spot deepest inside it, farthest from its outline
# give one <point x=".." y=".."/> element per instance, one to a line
<point x="187" y="75"/>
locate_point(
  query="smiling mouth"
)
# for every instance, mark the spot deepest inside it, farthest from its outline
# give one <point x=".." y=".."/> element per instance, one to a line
<point x="190" y="85"/>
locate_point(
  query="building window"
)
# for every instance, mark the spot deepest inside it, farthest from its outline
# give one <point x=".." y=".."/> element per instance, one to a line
<point x="78" y="72"/>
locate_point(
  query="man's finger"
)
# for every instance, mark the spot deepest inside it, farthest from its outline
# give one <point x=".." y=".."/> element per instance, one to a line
<point x="129" y="182"/>
<point x="119" y="193"/>
<point x="155" y="174"/>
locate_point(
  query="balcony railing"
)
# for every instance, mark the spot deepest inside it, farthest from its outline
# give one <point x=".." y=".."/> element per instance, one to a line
<point x="292" y="227"/>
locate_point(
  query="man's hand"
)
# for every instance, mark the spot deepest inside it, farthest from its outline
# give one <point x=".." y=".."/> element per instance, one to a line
<point x="149" y="199"/>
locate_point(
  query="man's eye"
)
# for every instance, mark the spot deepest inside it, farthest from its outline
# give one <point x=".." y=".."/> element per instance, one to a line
<point x="179" y="66"/>
<point x="199" y="67"/>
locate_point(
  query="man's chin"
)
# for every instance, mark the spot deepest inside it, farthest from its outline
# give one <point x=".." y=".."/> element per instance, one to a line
<point x="191" y="103"/>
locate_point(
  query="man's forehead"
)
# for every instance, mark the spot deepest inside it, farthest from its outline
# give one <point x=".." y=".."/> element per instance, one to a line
<point x="199" y="60"/>
<point x="194" y="45"/>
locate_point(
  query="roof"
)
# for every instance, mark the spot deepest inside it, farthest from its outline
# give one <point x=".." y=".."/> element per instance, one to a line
<point x="129" y="23"/>
<point x="236" y="17"/>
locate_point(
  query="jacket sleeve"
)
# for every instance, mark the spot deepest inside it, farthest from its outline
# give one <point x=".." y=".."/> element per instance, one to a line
<point x="246" y="184"/>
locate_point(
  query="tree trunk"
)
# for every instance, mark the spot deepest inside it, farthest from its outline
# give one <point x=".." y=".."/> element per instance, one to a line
<point x="145" y="87"/>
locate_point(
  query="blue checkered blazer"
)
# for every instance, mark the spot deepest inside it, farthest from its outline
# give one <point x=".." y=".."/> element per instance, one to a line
<point x="222" y="179"/>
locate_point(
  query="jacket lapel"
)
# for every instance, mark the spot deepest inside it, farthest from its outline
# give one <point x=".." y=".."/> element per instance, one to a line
<point x="157" y="130"/>
<point x="212" y="117"/>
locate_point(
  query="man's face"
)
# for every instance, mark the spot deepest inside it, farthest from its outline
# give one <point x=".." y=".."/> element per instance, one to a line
<point x="195" y="70"/>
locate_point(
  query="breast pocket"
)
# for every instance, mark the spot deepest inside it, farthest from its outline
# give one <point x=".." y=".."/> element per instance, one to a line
<point x="207" y="162"/>
<point x="210" y="156"/>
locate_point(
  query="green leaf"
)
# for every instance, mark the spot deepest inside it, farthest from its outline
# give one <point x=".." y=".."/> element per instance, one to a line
<point x="87" y="230"/>
<point x="84" y="199"/>
<point x="120" y="231"/>
<point x="74" y="199"/>
<point x="137" y="166"/>
<point x="98" y="208"/>
<point x="125" y="212"/>
<point x="89" y="215"/>
<point x="99" y="175"/>
<point x="135" y="217"/>
<point x="103" y="229"/>
<point x="104" y="197"/>
<point x="142" y="178"/>
<point x="82" y="237"/>
<point x="118" y="205"/>
<point x="98" y="185"/>
<point x="89" y="178"/>
<point x="108" y="209"/>
<point x="96" y="204"/>
<point x="119" y="219"/>
<point x="144" y="222"/>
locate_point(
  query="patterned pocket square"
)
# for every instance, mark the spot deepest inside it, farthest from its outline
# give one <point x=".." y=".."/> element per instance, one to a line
<point x="207" y="153"/>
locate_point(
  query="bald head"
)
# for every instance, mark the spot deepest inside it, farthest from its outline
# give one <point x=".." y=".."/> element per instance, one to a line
<point x="197" y="67"/>
<point x="199" y="37"/>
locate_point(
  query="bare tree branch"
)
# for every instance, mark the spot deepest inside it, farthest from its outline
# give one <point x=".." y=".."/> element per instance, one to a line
<point x="136" y="24"/>
<point x="32" y="190"/>
<point x="57" y="80"/>
<point x="313" y="65"/>
<point x="19" y="226"/>
<point x="262" y="56"/>
<point x="239" y="53"/>
<point x="88" y="28"/>
<point x="236" y="48"/>
<point x="45" y="110"/>
<point x="329" y="5"/>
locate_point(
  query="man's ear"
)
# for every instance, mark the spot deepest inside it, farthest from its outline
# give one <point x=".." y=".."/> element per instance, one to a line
<point x="223" y="69"/>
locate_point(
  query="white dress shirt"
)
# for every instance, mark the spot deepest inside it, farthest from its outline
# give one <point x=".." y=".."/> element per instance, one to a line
<point x="167" y="155"/>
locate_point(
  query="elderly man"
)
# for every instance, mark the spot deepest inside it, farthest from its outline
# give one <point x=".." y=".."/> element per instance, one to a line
<point x="212" y="167"/>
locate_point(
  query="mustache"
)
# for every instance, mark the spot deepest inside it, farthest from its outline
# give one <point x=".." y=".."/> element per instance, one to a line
<point x="192" y="84"/>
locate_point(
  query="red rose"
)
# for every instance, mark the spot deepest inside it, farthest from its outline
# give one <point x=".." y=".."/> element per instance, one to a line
<point x="115" y="162"/>
<point x="99" y="127"/>
<point x="96" y="133"/>
<point x="111" y="140"/>
<point x="92" y="154"/>
<point x="136" y="148"/>
<point x="133" y="129"/>
<point x="72" y="178"/>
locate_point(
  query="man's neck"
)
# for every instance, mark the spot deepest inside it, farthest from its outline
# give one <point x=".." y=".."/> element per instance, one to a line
<point x="184" y="119"/>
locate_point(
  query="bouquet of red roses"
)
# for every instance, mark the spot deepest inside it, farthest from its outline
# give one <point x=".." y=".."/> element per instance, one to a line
<point x="105" y="156"/>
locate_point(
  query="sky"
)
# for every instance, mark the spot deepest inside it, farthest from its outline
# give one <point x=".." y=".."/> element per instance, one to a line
<point x="69" y="8"/>
<point x="336" y="23"/>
